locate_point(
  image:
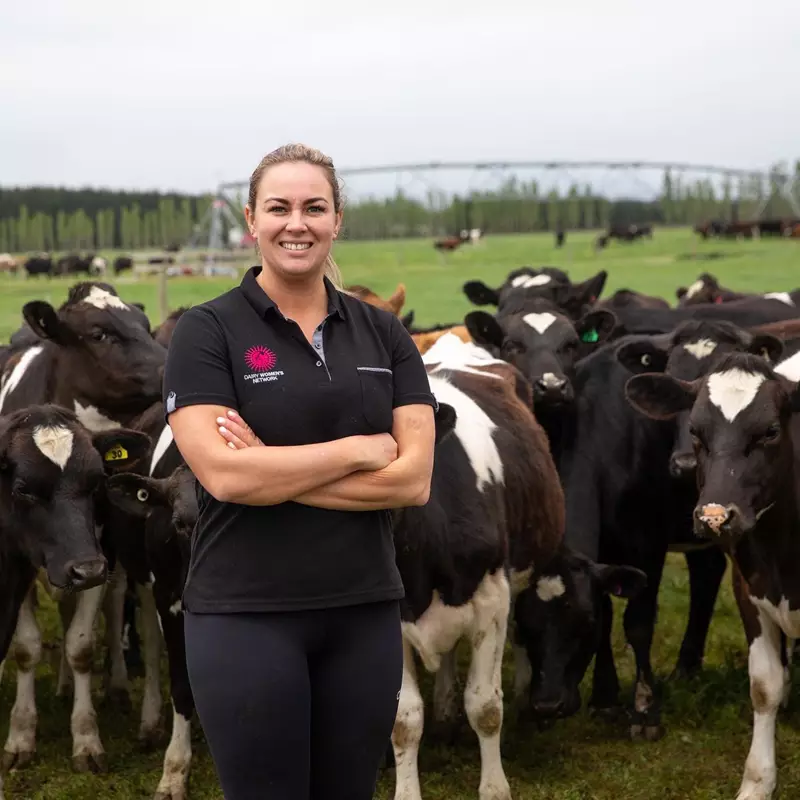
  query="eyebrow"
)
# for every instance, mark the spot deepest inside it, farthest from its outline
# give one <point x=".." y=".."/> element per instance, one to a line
<point x="284" y="200"/>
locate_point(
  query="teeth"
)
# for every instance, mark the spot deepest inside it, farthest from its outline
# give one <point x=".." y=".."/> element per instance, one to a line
<point x="295" y="245"/>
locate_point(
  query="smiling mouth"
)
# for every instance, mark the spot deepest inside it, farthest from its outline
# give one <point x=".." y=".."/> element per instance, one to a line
<point x="295" y="245"/>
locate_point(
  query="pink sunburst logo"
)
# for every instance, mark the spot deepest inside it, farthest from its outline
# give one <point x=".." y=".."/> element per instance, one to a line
<point x="260" y="358"/>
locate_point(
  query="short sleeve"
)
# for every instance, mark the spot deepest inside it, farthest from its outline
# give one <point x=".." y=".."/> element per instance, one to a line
<point x="411" y="383"/>
<point x="198" y="368"/>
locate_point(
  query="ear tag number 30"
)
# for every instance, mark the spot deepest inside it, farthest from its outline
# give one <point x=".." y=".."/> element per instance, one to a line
<point x="116" y="453"/>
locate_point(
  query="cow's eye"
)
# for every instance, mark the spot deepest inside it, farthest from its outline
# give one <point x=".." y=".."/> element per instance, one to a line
<point x="646" y="359"/>
<point x="697" y="439"/>
<point x="772" y="433"/>
<point x="98" y="335"/>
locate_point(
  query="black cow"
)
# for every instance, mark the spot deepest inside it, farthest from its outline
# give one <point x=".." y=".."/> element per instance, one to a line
<point x="41" y="264"/>
<point x="746" y="434"/>
<point x="707" y="289"/>
<point x="122" y="263"/>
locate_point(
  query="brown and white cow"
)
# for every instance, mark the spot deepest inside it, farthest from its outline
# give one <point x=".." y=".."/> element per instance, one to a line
<point x="746" y="431"/>
<point x="96" y="356"/>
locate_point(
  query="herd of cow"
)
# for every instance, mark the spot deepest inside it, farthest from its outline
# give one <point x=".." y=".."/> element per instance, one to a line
<point x="89" y="264"/>
<point x="578" y="440"/>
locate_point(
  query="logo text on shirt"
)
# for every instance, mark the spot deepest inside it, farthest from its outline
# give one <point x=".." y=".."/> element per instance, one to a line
<point x="261" y="361"/>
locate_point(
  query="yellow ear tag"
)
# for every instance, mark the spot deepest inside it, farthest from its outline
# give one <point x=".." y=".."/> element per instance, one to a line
<point x="116" y="453"/>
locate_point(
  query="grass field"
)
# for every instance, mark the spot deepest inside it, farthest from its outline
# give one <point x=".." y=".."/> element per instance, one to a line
<point x="708" y="720"/>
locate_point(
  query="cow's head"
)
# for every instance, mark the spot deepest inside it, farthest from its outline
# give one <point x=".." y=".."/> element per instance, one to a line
<point x="394" y="304"/>
<point x="739" y="422"/>
<point x="525" y="281"/>
<point x="558" y="623"/>
<point x="690" y="353"/>
<point x="543" y="343"/>
<point x="52" y="472"/>
<point x="107" y="353"/>
<point x="705" y="289"/>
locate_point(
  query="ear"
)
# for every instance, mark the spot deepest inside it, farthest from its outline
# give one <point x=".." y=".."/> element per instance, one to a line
<point x="44" y="321"/>
<point x="590" y="290"/>
<point x="479" y="294"/>
<point x="135" y="494"/>
<point x="660" y="397"/>
<point x="767" y="346"/>
<point x="398" y="299"/>
<point x="643" y="356"/>
<point x="484" y="329"/>
<point x="596" y="327"/>
<point x="445" y="420"/>
<point x="619" y="581"/>
<point x="121" y="449"/>
<point x="140" y="306"/>
<point x="680" y="292"/>
<point x="407" y="320"/>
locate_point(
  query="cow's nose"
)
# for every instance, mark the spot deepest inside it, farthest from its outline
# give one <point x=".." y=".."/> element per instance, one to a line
<point x="548" y="708"/>
<point x="550" y="382"/>
<point x="86" y="574"/>
<point x="681" y="464"/>
<point x="716" y="517"/>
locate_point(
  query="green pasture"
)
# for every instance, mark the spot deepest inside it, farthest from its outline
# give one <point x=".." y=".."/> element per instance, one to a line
<point x="708" y="719"/>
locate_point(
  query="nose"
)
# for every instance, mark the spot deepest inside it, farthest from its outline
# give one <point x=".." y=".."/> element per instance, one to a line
<point x="682" y="464"/>
<point x="548" y="708"/>
<point x="86" y="574"/>
<point x="551" y="383"/>
<point x="716" y="518"/>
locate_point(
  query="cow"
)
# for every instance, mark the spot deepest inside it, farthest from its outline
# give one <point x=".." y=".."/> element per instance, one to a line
<point x="746" y="435"/>
<point x="163" y="333"/>
<point x="41" y="264"/>
<point x="625" y="298"/>
<point x="8" y="263"/>
<point x="97" y="358"/>
<point x="712" y="227"/>
<point x="122" y="263"/>
<point x="393" y="305"/>
<point x="628" y="233"/>
<point x="449" y="243"/>
<point x="561" y="237"/>
<point x="74" y="264"/>
<point x="706" y="289"/>
<point x="548" y="282"/>
<point x="495" y="510"/>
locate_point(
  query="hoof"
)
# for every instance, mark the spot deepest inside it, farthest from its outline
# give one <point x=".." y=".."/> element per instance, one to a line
<point x="18" y="760"/>
<point x="88" y="762"/>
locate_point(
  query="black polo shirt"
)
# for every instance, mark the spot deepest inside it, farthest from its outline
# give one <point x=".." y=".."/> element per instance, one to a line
<point x="238" y="350"/>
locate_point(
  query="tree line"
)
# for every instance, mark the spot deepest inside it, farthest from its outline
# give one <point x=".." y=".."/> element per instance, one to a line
<point x="44" y="219"/>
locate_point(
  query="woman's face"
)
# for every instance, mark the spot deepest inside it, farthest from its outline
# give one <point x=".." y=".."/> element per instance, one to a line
<point x="294" y="220"/>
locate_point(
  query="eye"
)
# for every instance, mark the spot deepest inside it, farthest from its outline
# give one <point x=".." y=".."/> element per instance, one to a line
<point x="646" y="360"/>
<point x="511" y="347"/>
<point x="697" y="439"/>
<point x="98" y="335"/>
<point x="142" y="495"/>
<point x="317" y="209"/>
<point x="23" y="494"/>
<point x="277" y="209"/>
<point x="772" y="433"/>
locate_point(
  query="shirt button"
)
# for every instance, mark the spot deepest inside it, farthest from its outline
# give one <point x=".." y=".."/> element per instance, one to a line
<point x="319" y="363"/>
<point x="317" y="345"/>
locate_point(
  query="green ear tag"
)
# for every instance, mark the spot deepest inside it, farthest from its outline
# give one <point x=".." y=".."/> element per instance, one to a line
<point x="590" y="336"/>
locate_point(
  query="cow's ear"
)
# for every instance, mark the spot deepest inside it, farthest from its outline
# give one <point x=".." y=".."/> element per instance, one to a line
<point x="136" y="495"/>
<point x="408" y="320"/>
<point x="445" y="421"/>
<point x="484" y="329"/>
<point x="645" y="355"/>
<point x="44" y="321"/>
<point x="619" y="581"/>
<point x="767" y="346"/>
<point x="680" y="292"/>
<point x="479" y="294"/>
<point x="596" y="327"/>
<point x="660" y="397"/>
<point x="120" y="449"/>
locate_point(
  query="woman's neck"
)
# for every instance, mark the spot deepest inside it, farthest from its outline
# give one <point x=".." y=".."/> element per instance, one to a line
<point x="295" y="299"/>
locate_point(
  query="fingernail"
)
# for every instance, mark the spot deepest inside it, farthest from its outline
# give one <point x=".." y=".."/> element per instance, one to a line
<point x="232" y="414"/>
<point x="223" y="430"/>
<point x="231" y="445"/>
<point x="220" y="420"/>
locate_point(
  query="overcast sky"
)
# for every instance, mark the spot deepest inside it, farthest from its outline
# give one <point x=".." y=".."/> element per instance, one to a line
<point x="181" y="94"/>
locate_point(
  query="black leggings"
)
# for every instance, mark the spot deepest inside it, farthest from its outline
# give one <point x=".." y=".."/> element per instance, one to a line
<point x="297" y="705"/>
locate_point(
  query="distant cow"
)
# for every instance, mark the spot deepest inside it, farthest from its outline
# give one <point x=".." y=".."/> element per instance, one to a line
<point x="8" y="263"/>
<point x="41" y="264"/>
<point x="122" y="263"/>
<point x="449" y="243"/>
<point x="707" y="289"/>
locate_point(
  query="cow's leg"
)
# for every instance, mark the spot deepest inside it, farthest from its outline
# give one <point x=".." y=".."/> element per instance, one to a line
<point x="66" y="610"/>
<point x="21" y="742"/>
<point x="640" y="620"/>
<point x="87" y="749"/>
<point x="445" y="697"/>
<point x="483" y="695"/>
<point x="150" y="726"/>
<point x="178" y="758"/>
<point x="605" y="683"/>
<point x="407" y="731"/>
<point x="706" y="568"/>
<point x="117" y="691"/>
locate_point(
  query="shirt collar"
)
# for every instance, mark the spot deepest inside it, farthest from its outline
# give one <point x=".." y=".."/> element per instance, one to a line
<point x="263" y="303"/>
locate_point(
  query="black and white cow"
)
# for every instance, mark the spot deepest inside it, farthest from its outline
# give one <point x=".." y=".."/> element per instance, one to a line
<point x="96" y="356"/>
<point x="52" y="475"/>
<point x="707" y="289"/>
<point x="746" y="433"/>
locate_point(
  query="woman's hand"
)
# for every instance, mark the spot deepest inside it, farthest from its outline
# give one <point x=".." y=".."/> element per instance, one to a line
<point x="373" y="452"/>
<point x="237" y="433"/>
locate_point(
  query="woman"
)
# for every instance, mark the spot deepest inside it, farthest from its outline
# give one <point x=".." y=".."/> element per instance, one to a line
<point x="292" y="595"/>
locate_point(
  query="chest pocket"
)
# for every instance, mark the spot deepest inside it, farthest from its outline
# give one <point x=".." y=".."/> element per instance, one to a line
<point x="377" y="394"/>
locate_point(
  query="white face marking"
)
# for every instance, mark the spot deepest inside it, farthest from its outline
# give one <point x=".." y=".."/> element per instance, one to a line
<point x="733" y="391"/>
<point x="539" y="322"/>
<point x="91" y="418"/>
<point x="548" y="587"/>
<point x="176" y="608"/>
<point x="54" y="442"/>
<point x="784" y="297"/>
<point x="526" y="281"/>
<point x="550" y="379"/>
<point x="165" y="439"/>
<point x="100" y="298"/>
<point x="21" y="367"/>
<point x="474" y="430"/>
<point x="790" y="368"/>
<point x="701" y="348"/>
<point x="696" y="287"/>
<point x="451" y="353"/>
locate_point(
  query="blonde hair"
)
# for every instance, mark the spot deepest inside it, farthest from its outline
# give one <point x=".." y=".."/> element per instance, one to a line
<point x="295" y="153"/>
